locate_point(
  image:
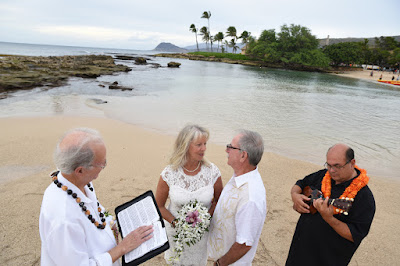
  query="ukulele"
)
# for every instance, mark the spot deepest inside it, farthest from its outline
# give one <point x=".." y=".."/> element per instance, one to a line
<point x="343" y="205"/>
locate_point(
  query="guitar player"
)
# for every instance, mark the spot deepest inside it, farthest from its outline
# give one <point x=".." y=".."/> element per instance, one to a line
<point x="329" y="237"/>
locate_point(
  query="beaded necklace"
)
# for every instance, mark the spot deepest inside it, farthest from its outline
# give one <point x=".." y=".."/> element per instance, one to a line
<point x="81" y="204"/>
<point x="350" y="192"/>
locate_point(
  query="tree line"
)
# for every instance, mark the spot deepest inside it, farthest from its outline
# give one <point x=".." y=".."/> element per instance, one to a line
<point x="295" y="45"/>
<point x="219" y="37"/>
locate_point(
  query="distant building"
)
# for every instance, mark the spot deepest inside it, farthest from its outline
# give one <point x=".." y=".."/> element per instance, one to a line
<point x="244" y="48"/>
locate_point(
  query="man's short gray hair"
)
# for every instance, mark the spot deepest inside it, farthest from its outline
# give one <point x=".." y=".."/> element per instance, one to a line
<point x="253" y="144"/>
<point x="78" y="151"/>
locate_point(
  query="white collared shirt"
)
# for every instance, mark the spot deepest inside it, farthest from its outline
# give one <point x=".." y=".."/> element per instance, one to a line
<point x="68" y="236"/>
<point x="239" y="217"/>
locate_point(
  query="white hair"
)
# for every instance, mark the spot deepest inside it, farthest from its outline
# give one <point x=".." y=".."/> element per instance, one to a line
<point x="253" y="144"/>
<point x="77" y="151"/>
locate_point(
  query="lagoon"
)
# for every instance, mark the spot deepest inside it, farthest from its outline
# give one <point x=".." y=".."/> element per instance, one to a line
<point x="299" y="114"/>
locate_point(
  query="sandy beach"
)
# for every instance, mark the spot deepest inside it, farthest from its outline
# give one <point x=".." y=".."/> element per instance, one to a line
<point x="366" y="75"/>
<point x="135" y="159"/>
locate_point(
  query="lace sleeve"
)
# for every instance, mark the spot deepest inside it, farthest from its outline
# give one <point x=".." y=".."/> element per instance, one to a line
<point x="215" y="173"/>
<point x="166" y="175"/>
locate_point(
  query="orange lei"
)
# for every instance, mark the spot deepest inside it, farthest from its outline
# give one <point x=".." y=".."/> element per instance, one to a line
<point x="350" y="192"/>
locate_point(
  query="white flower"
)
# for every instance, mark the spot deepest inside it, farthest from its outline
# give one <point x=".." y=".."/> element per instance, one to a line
<point x="193" y="222"/>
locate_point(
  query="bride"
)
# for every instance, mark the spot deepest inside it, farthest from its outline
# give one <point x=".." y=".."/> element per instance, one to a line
<point x="189" y="176"/>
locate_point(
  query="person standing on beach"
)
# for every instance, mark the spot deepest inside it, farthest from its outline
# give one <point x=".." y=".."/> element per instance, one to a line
<point x="329" y="237"/>
<point x="189" y="176"/>
<point x="241" y="210"/>
<point x="73" y="227"/>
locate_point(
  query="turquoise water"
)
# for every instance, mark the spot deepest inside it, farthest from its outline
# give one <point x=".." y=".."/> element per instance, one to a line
<point x="299" y="114"/>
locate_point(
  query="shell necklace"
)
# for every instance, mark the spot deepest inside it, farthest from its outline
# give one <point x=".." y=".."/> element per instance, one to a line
<point x="191" y="171"/>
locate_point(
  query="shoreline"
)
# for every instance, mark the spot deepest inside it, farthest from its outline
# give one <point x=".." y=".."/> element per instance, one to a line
<point x="366" y="75"/>
<point x="357" y="73"/>
<point x="136" y="157"/>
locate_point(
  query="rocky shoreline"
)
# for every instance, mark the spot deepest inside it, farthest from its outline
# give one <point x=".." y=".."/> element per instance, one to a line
<point x="256" y="63"/>
<point x="26" y="72"/>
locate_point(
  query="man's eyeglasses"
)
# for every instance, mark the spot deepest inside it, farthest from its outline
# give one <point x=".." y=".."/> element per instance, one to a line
<point x="335" y="167"/>
<point x="229" y="146"/>
<point x="102" y="166"/>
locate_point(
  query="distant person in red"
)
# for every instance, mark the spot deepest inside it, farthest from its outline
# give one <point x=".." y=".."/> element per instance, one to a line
<point x="329" y="237"/>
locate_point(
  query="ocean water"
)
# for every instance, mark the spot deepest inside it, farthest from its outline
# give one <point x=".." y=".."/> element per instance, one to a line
<point x="299" y="114"/>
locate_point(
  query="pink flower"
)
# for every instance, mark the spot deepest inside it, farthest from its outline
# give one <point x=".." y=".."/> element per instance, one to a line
<point x="193" y="218"/>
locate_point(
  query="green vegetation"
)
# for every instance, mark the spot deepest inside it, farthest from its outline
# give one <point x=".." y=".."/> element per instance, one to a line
<point x="295" y="47"/>
<point x="223" y="55"/>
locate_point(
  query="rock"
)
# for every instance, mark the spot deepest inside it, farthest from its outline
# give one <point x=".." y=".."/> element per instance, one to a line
<point x="101" y="85"/>
<point x="155" y="65"/>
<point x="125" y="57"/>
<point x="98" y="101"/>
<point x="174" y="64"/>
<point x="117" y="87"/>
<point x="87" y="75"/>
<point x="26" y="72"/>
<point x="140" y="61"/>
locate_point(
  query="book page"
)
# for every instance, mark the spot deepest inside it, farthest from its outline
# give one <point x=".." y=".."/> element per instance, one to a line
<point x="159" y="238"/>
<point x="141" y="213"/>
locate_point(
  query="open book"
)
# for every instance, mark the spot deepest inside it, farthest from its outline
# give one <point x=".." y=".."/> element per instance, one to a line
<point x="142" y="210"/>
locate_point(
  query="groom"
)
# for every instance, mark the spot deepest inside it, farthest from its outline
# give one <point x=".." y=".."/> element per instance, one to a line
<point x="241" y="209"/>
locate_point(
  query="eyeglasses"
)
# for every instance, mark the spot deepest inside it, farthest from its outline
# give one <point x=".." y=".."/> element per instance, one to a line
<point x="335" y="167"/>
<point x="229" y="146"/>
<point x="99" y="165"/>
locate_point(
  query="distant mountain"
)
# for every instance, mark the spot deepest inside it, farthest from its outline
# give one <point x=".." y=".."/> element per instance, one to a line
<point x="169" y="47"/>
<point x="371" y="40"/>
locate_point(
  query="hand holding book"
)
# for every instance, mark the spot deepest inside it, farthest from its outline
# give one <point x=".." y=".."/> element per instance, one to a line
<point x="140" y="223"/>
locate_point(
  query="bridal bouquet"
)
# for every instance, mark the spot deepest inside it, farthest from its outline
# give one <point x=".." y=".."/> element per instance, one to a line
<point x="193" y="222"/>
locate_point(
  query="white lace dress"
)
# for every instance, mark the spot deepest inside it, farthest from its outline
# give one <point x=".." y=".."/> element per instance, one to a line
<point x="182" y="189"/>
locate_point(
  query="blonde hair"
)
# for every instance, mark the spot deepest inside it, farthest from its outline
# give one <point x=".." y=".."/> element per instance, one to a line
<point x="188" y="134"/>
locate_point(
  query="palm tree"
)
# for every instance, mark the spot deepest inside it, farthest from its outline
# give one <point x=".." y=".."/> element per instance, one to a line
<point x="194" y="30"/>
<point x="226" y="45"/>
<point x="218" y="37"/>
<point x="207" y="15"/>
<point x="205" y="34"/>
<point x="245" y="36"/>
<point x="233" y="45"/>
<point x="231" y="32"/>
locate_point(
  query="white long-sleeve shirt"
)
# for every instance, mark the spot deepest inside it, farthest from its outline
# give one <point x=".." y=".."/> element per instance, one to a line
<point x="68" y="236"/>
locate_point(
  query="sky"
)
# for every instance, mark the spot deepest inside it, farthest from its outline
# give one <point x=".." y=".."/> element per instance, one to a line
<point x="143" y="24"/>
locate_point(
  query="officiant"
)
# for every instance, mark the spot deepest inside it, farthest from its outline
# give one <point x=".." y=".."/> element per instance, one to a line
<point x="73" y="226"/>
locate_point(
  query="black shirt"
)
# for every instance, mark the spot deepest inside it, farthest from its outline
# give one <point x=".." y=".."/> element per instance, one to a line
<point x="315" y="242"/>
